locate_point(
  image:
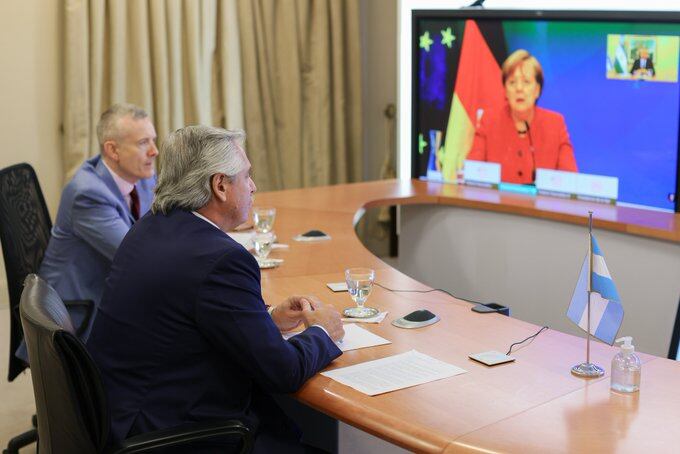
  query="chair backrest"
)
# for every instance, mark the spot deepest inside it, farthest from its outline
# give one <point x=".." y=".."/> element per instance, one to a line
<point x="69" y="395"/>
<point x="24" y="232"/>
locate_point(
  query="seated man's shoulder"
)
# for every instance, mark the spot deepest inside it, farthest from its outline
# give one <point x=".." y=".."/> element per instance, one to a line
<point x="232" y="258"/>
<point x="235" y="253"/>
<point x="201" y="238"/>
<point x="87" y="180"/>
<point x="83" y="191"/>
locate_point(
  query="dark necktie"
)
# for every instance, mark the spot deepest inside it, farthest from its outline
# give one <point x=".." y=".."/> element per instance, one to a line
<point x="134" y="205"/>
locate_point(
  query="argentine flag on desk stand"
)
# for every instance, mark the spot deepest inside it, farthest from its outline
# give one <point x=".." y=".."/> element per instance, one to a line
<point x="606" y="312"/>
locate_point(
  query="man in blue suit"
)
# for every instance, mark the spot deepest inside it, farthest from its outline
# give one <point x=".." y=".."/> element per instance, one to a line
<point x="183" y="334"/>
<point x="100" y="204"/>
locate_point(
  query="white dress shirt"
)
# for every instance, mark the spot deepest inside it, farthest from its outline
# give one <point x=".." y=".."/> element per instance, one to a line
<point x="125" y="187"/>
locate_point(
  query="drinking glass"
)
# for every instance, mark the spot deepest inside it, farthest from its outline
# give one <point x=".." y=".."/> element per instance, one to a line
<point x="263" y="218"/>
<point x="263" y="244"/>
<point x="359" y="285"/>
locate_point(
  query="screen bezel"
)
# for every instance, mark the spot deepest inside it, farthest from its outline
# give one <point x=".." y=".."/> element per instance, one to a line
<point x="562" y="15"/>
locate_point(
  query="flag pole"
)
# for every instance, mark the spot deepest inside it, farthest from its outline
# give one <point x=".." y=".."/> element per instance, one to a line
<point x="590" y="279"/>
<point x="587" y="369"/>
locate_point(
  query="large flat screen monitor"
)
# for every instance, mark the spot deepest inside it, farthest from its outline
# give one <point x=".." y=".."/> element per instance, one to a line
<point x="577" y="103"/>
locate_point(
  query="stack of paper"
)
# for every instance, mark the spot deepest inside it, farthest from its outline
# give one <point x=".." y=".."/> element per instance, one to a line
<point x="394" y="372"/>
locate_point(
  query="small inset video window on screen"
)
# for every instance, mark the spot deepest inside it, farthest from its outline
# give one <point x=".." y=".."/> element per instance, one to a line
<point x="648" y="57"/>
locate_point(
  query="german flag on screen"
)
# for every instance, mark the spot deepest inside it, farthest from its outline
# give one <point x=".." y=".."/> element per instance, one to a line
<point x="478" y="86"/>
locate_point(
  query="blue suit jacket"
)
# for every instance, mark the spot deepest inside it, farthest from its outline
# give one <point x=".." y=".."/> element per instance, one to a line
<point x="183" y="334"/>
<point x="92" y="220"/>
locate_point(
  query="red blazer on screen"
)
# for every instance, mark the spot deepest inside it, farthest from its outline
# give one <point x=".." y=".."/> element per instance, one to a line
<point x="547" y="144"/>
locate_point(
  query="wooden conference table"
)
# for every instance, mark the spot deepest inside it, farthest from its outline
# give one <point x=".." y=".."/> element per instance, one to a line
<point x="531" y="405"/>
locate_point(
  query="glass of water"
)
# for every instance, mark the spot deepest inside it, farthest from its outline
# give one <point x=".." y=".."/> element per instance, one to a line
<point x="262" y="243"/>
<point x="359" y="285"/>
<point x="263" y="219"/>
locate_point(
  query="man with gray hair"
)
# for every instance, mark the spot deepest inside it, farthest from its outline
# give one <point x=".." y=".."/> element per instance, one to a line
<point x="183" y="334"/>
<point x="107" y="194"/>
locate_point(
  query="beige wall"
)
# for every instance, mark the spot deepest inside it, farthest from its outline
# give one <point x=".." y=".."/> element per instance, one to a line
<point x="30" y="88"/>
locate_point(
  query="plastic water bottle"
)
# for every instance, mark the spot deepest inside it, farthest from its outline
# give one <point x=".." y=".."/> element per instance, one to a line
<point x="626" y="368"/>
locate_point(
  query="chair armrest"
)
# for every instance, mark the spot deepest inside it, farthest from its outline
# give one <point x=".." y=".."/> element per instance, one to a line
<point x="187" y="433"/>
<point x="89" y="310"/>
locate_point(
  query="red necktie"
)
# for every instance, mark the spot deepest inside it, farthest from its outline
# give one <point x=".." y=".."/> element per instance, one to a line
<point x="134" y="206"/>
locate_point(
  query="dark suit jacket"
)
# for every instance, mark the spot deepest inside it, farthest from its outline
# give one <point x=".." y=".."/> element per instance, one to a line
<point x="183" y="334"/>
<point x="648" y="66"/>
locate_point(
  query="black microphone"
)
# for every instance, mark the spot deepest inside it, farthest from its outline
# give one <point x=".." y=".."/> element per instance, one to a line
<point x="531" y="149"/>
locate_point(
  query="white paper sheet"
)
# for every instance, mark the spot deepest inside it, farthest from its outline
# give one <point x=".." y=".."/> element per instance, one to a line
<point x="355" y="338"/>
<point x="393" y="373"/>
<point x="337" y="286"/>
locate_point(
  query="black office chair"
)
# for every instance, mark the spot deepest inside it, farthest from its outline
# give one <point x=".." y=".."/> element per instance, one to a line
<point x="24" y="232"/>
<point x="675" y="337"/>
<point x="70" y="400"/>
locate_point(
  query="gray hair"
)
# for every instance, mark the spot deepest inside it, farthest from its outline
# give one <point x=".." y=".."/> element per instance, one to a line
<point x="188" y="159"/>
<point x="108" y="129"/>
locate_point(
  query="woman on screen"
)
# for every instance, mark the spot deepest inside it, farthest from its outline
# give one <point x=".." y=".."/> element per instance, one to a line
<point x="519" y="135"/>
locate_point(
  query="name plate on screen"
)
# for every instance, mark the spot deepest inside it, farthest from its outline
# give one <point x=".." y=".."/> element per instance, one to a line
<point x="597" y="186"/>
<point x="487" y="173"/>
<point x="577" y="185"/>
<point x="549" y="181"/>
